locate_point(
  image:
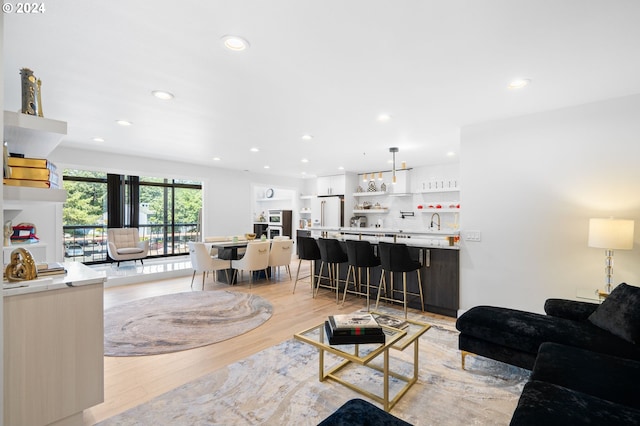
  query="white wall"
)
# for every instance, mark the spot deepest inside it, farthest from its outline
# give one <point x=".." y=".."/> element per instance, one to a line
<point x="228" y="195"/>
<point x="530" y="185"/>
<point x="1" y="205"/>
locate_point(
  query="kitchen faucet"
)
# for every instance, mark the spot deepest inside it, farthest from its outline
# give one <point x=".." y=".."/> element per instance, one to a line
<point x="432" y="216"/>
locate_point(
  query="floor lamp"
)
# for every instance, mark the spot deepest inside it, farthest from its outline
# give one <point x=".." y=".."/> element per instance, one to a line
<point x="610" y="234"/>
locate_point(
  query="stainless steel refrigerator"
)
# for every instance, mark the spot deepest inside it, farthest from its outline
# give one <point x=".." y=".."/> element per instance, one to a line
<point x="327" y="211"/>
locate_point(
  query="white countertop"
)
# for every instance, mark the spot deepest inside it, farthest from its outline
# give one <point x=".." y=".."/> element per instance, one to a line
<point x="373" y="230"/>
<point x="422" y="239"/>
<point x="77" y="275"/>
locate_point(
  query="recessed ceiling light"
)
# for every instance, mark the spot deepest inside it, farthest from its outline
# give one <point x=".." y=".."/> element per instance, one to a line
<point x="451" y="154"/>
<point x="235" y="43"/>
<point x="384" y="117"/>
<point x="254" y="149"/>
<point x="304" y="173"/>
<point x="216" y="158"/>
<point x="124" y="122"/>
<point x="341" y="168"/>
<point x="161" y="94"/>
<point x="98" y="139"/>
<point x="307" y="137"/>
<point x="519" y="83"/>
<point x="304" y="160"/>
<point x="267" y="167"/>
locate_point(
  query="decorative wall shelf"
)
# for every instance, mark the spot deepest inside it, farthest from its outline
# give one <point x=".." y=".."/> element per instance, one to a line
<point x="436" y="191"/>
<point x="447" y="210"/>
<point x="25" y="195"/>
<point x="32" y="136"/>
<point x="371" y="211"/>
<point x="370" y="194"/>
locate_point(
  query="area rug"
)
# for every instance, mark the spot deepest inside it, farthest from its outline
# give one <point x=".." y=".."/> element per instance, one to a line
<point x="279" y="386"/>
<point x="175" y="322"/>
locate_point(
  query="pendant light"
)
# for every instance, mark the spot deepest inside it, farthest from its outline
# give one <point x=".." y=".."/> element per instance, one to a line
<point x="393" y="151"/>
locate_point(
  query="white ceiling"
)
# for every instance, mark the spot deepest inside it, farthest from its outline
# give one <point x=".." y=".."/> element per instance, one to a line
<point x="327" y="68"/>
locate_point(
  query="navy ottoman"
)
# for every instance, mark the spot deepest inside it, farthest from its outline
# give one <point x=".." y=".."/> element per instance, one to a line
<point x="358" y="412"/>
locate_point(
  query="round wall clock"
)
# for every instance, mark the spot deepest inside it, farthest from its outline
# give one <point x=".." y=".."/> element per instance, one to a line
<point x="269" y="193"/>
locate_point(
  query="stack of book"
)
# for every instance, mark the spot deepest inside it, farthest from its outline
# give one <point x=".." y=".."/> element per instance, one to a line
<point x="353" y="329"/>
<point x="31" y="172"/>
<point x="45" y="269"/>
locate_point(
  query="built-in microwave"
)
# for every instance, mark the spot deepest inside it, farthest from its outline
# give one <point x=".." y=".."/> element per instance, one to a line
<point x="274" y="231"/>
<point x="275" y="217"/>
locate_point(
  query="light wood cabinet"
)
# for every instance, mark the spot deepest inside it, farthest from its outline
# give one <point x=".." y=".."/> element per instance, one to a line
<point x="54" y="350"/>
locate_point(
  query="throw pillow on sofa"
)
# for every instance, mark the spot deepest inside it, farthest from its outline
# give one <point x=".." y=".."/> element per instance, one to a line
<point x="619" y="313"/>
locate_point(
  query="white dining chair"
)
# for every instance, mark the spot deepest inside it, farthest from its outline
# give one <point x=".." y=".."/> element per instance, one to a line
<point x="280" y="254"/>
<point x="256" y="258"/>
<point x="201" y="261"/>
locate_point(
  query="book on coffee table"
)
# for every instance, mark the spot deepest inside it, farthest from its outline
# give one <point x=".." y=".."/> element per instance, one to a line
<point x="354" y="321"/>
<point x="352" y="339"/>
<point x="390" y="321"/>
<point x="352" y="331"/>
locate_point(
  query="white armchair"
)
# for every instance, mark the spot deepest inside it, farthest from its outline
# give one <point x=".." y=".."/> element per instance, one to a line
<point x="124" y="244"/>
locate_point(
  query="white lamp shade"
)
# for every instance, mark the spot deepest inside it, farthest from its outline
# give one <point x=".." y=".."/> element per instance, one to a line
<point x="615" y="234"/>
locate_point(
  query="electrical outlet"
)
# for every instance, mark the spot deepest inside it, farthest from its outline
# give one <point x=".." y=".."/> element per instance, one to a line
<point x="475" y="236"/>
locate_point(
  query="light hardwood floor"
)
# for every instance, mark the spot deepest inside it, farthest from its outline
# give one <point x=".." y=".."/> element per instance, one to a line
<point x="130" y="381"/>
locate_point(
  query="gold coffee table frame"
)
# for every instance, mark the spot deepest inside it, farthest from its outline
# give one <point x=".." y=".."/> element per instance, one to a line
<point x="395" y="339"/>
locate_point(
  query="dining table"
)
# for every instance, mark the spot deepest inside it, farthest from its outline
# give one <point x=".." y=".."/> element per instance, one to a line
<point x="228" y="250"/>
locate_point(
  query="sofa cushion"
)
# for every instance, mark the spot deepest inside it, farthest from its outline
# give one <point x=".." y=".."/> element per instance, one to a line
<point x="569" y="309"/>
<point x="544" y="403"/>
<point x="604" y="376"/>
<point x="619" y="313"/>
<point x="130" y="250"/>
<point x="526" y="331"/>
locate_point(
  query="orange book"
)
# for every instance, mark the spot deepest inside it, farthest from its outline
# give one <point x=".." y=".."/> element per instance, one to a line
<point x="29" y="183"/>
<point x="39" y="163"/>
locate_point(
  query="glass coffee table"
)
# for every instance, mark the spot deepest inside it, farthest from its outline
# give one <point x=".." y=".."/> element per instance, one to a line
<point x="365" y="354"/>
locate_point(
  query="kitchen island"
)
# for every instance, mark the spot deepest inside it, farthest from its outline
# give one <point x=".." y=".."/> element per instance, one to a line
<point x="53" y="347"/>
<point x="437" y="251"/>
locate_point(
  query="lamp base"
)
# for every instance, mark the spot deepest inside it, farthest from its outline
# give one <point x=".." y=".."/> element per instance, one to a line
<point x="608" y="270"/>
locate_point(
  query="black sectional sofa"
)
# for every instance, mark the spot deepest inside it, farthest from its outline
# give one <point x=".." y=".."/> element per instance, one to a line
<point x="571" y="386"/>
<point x="584" y="357"/>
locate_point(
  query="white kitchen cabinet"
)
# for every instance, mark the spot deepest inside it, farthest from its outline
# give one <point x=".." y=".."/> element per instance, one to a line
<point x="331" y="185"/>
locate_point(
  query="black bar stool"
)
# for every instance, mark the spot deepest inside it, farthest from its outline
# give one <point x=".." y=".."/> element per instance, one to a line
<point x="307" y="250"/>
<point x="360" y="255"/>
<point x="396" y="258"/>
<point x="332" y="255"/>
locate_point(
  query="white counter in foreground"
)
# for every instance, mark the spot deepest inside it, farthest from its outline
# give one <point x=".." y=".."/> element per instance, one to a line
<point x="77" y="275"/>
<point x="54" y="348"/>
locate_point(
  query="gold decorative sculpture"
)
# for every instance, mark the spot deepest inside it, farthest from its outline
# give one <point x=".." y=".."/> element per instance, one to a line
<point x="22" y="266"/>
<point x="30" y="93"/>
<point x="8" y="231"/>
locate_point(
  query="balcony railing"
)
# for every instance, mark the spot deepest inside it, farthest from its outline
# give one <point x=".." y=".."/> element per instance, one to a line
<point x="88" y="243"/>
